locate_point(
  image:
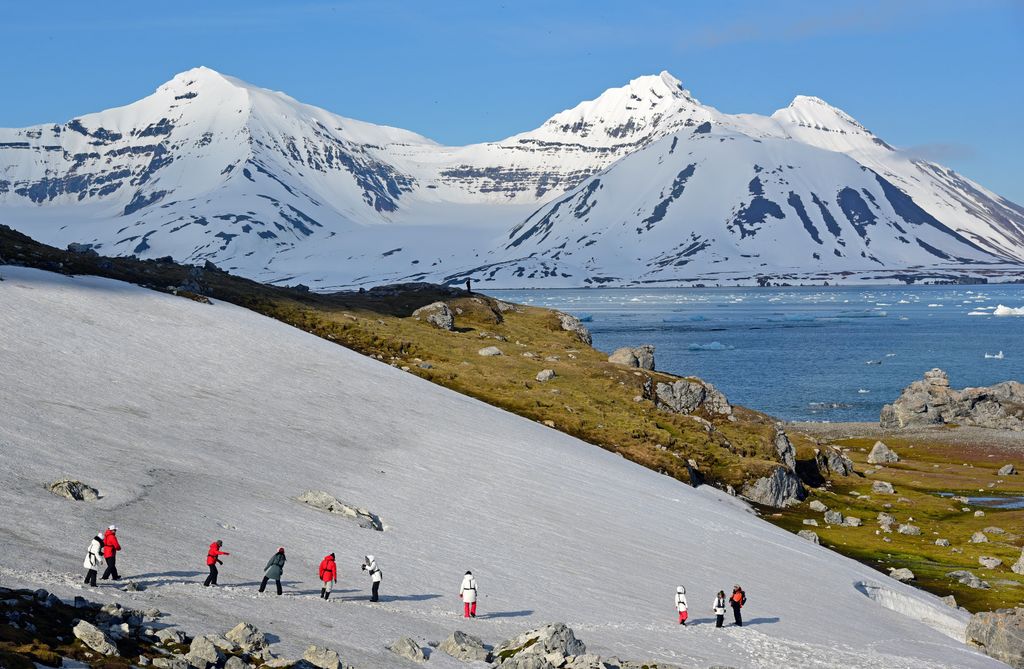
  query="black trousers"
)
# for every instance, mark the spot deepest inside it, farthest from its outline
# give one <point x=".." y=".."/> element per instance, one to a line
<point x="90" y="577"/>
<point x="263" y="585"/>
<point x="111" y="570"/>
<point x="736" y="615"/>
<point x="212" y="578"/>
<point x="719" y="620"/>
<point x="376" y="587"/>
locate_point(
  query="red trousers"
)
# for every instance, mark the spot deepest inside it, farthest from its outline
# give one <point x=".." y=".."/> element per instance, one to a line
<point x="469" y="609"/>
<point x="682" y="617"/>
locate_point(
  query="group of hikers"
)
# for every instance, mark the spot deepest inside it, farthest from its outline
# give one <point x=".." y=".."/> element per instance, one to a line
<point x="104" y="547"/>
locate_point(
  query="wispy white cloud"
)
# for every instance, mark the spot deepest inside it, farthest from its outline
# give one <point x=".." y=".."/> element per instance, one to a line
<point x="940" y="152"/>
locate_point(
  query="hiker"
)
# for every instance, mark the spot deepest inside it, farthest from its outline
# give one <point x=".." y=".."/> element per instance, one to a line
<point x="274" y="570"/>
<point x="93" y="558"/>
<point x="736" y="601"/>
<point x="469" y="286"/>
<point x="212" y="560"/>
<point x="681" y="607"/>
<point x="468" y="594"/>
<point x="110" y="548"/>
<point x="328" y="575"/>
<point x="719" y="608"/>
<point x="370" y="565"/>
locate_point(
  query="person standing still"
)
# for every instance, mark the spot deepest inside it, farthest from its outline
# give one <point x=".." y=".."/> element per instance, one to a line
<point x="274" y="570"/>
<point x="681" y="606"/>
<point x="370" y="566"/>
<point x="328" y="576"/>
<point x="736" y="601"/>
<point x="468" y="594"/>
<point x="718" y="608"/>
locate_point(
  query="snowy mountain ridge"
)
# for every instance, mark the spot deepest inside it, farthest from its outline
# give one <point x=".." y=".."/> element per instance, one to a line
<point x="209" y="167"/>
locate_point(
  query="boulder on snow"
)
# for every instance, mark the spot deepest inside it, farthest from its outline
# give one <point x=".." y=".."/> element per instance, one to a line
<point x="169" y="635"/>
<point x="407" y="648"/>
<point x="320" y="500"/>
<point x="321" y="657"/>
<point x="965" y="577"/>
<point x="640" y="356"/>
<point x="932" y="402"/>
<point x="903" y="575"/>
<point x="883" y="487"/>
<point x="465" y="647"/>
<point x="202" y="653"/>
<point x="94" y="638"/>
<point x="881" y="454"/>
<point x="546" y="375"/>
<point x="74" y="490"/>
<point x="1007" y="470"/>
<point x="574" y="325"/>
<point x="489" y="351"/>
<point x="556" y="637"/>
<point x="247" y="637"/>
<point x="437" y="314"/>
<point x="1000" y="634"/>
<point x="779" y="489"/>
<point x="989" y="562"/>
<point x="809" y="535"/>
<point x="686" y="397"/>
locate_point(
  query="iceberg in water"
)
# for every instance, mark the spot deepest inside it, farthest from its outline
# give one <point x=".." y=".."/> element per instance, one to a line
<point x="1002" y="310"/>
<point x="994" y="356"/>
<point x="713" y="346"/>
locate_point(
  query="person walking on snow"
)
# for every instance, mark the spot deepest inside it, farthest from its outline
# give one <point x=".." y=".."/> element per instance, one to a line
<point x="370" y="565"/>
<point x="468" y="594"/>
<point x="110" y="549"/>
<point x="212" y="560"/>
<point x="718" y="608"/>
<point x="93" y="558"/>
<point x="274" y="570"/>
<point x="736" y="601"/>
<point x="681" y="607"/>
<point x="329" y="576"/>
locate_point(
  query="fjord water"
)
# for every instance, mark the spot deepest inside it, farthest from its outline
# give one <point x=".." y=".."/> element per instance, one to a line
<point x="821" y="354"/>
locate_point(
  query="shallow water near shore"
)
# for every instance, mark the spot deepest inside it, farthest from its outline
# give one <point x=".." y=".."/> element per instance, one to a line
<point x="818" y="354"/>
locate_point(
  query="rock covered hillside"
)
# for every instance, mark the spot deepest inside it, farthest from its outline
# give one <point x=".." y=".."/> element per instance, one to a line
<point x="197" y="422"/>
<point x="642" y="185"/>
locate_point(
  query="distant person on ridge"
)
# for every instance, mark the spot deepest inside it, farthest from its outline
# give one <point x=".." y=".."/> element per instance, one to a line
<point x="212" y="560"/>
<point x="718" y="608"/>
<point x="468" y="594"/>
<point x="469" y="286"/>
<point x="370" y="566"/>
<point x="328" y="575"/>
<point x="274" y="570"/>
<point x="110" y="549"/>
<point x="681" y="606"/>
<point x="736" y="601"/>
<point x="93" y="558"/>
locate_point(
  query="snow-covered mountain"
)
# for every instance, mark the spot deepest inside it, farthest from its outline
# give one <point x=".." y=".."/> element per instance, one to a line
<point x="643" y="184"/>
<point x="246" y="413"/>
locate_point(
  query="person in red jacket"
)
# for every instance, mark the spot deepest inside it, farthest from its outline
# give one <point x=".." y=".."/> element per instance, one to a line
<point x="329" y="576"/>
<point x="212" y="560"/>
<point x="110" y="550"/>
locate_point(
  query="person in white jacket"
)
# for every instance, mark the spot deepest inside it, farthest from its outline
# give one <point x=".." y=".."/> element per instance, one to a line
<point x="370" y="565"/>
<point x="719" y="608"/>
<point x="468" y="594"/>
<point x="681" y="606"/>
<point x="93" y="559"/>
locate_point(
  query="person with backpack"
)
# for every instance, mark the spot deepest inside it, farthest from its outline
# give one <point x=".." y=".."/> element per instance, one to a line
<point x="370" y="566"/>
<point x="681" y="606"/>
<point x="93" y="558"/>
<point x="274" y="570"/>
<point x="718" y="608"/>
<point x="111" y="547"/>
<point x="468" y="595"/>
<point x="212" y="560"/>
<point x="736" y="601"/>
<point x="328" y="576"/>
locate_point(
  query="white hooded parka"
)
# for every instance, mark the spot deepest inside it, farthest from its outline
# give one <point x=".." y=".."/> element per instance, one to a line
<point x="468" y="589"/>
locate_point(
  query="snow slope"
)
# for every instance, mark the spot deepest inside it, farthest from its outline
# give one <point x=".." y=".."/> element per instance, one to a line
<point x="199" y="422"/>
<point x="212" y="168"/>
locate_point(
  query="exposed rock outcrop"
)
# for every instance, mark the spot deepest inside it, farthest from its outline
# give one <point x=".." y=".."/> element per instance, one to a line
<point x="321" y="657"/>
<point x="555" y="638"/>
<point x="1000" y="634"/>
<point x="437" y="314"/>
<point x="687" y="397"/>
<point x="932" y="402"/>
<point x="882" y="455"/>
<point x="489" y="351"/>
<point x="779" y="489"/>
<point x="831" y="460"/>
<point x="640" y="356"/>
<point x="809" y="535"/>
<point x="546" y="375"/>
<point x="407" y="648"/>
<point x="787" y="454"/>
<point x="94" y="638"/>
<point x="318" y="499"/>
<point x="574" y="325"/>
<point x="465" y="647"/>
<point x="1007" y="470"/>
<point x="247" y="637"/>
<point x="967" y="578"/>
<point x="903" y="575"/>
<point x="202" y="653"/>
<point x="74" y="490"/>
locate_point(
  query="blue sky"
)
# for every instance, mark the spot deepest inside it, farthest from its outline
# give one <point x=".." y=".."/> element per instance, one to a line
<point x="943" y="79"/>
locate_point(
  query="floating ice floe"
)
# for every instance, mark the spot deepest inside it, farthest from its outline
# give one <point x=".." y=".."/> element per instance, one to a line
<point x="994" y="356"/>
<point x="863" y="391"/>
<point x="713" y="346"/>
<point x="1002" y="310"/>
